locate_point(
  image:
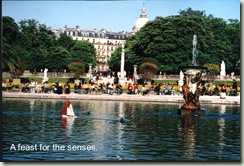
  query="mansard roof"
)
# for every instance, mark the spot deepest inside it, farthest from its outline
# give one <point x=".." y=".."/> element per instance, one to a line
<point x="97" y="33"/>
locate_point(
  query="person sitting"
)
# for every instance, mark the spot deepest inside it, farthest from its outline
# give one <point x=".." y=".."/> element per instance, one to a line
<point x="136" y="88"/>
<point x="216" y="90"/>
<point x="100" y="87"/>
<point x="172" y="90"/>
<point x="93" y="88"/>
<point x="166" y="89"/>
<point x="157" y="89"/>
<point x="119" y="89"/>
<point x="60" y="89"/>
<point x="32" y="86"/>
<point x="4" y="86"/>
<point x="209" y="91"/>
<point x="85" y="87"/>
<point x="234" y="86"/>
<point x="223" y="88"/>
<point x="80" y="89"/>
<point x="38" y="88"/>
<point x="67" y="88"/>
<point x="143" y="90"/>
<point x="111" y="89"/>
<point x="151" y="88"/>
<point x="130" y="89"/>
<point x="203" y="91"/>
<point x="76" y="88"/>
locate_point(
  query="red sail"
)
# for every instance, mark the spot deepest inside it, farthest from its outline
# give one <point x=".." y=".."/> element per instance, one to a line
<point x="64" y="110"/>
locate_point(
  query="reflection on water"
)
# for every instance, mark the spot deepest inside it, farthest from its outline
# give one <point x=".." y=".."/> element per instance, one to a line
<point x="152" y="131"/>
<point x="189" y="132"/>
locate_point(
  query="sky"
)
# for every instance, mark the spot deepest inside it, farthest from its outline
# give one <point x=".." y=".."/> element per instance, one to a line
<point x="114" y="16"/>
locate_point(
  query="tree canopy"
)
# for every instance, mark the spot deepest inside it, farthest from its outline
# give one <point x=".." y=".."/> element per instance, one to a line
<point x="84" y="52"/>
<point x="168" y="40"/>
<point x="32" y="46"/>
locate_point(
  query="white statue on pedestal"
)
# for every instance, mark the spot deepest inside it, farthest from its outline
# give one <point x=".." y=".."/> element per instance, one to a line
<point x="45" y="78"/>
<point x="181" y="75"/>
<point x="222" y="71"/>
<point x="181" y="82"/>
<point x="45" y="72"/>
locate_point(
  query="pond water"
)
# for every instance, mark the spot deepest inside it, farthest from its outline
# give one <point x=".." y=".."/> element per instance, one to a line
<point x="33" y="130"/>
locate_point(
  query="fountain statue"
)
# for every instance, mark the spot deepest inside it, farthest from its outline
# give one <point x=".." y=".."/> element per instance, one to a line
<point x="192" y="78"/>
<point x="191" y="91"/>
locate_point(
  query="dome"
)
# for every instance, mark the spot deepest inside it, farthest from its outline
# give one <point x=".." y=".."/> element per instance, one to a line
<point x="140" y="22"/>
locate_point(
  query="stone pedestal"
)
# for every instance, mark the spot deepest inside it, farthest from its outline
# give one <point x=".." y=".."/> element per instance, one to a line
<point x="26" y="73"/>
<point x="164" y="77"/>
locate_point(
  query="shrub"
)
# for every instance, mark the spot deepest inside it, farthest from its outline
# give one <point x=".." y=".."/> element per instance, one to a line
<point x="77" y="69"/>
<point x="148" y="70"/>
<point x="213" y="68"/>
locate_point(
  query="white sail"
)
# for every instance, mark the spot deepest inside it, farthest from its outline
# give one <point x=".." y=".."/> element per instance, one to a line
<point x="70" y="111"/>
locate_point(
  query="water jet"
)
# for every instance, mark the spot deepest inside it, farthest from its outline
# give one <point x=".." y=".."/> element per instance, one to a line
<point x="193" y="76"/>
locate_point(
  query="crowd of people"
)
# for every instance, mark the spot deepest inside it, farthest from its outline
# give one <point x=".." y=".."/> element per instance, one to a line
<point x="117" y="88"/>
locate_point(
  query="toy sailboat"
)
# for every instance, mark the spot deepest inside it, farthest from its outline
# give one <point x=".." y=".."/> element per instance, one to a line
<point x="68" y="111"/>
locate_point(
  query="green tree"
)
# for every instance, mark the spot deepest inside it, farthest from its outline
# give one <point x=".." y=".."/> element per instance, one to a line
<point x="84" y="52"/>
<point x="167" y="40"/>
<point x="147" y="71"/>
<point x="65" y="41"/>
<point x="213" y="68"/>
<point x="10" y="47"/>
<point x="11" y="50"/>
<point x="115" y="60"/>
<point x="57" y="59"/>
<point x="37" y="58"/>
<point x="77" y="69"/>
<point x="36" y="41"/>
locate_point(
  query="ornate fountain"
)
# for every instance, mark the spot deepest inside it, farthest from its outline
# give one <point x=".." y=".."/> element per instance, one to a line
<point x="193" y="76"/>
